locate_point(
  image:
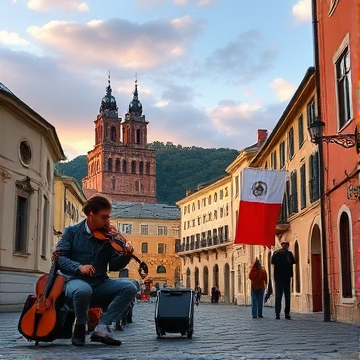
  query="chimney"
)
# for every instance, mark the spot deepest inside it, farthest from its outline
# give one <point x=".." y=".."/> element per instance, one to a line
<point x="261" y="136"/>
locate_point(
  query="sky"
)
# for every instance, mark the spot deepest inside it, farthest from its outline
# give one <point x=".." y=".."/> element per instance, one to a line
<point x="210" y="73"/>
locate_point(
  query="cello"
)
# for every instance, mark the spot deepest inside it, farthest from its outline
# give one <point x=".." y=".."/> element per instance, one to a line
<point x="40" y="319"/>
<point x="119" y="244"/>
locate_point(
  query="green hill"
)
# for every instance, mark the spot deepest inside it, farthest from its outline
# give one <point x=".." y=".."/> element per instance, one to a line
<point x="178" y="168"/>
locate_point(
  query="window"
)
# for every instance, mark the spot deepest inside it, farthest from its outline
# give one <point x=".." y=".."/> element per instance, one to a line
<point x="144" y="229"/>
<point x="124" y="167"/>
<point x="161" y="248"/>
<point x="314" y="177"/>
<point x="161" y="269"/>
<point x="162" y="230"/>
<point x="141" y="167"/>
<point x="110" y="164"/>
<point x="25" y="152"/>
<point x="345" y="255"/>
<point x="124" y="228"/>
<point x="301" y="130"/>
<point x="274" y="160"/>
<point x="294" y="195"/>
<point x="236" y="186"/>
<point x="303" y="186"/>
<point x="344" y="88"/>
<point x="117" y="165"/>
<point x="22" y="213"/>
<point x="133" y="167"/>
<point x="311" y="111"/>
<point x="45" y="227"/>
<point x="282" y="154"/>
<point x="291" y="143"/>
<point x="144" y="248"/>
<point x="221" y="194"/>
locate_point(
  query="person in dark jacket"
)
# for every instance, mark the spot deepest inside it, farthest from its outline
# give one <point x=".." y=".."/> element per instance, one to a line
<point x="283" y="261"/>
<point x="258" y="277"/>
<point x="84" y="261"/>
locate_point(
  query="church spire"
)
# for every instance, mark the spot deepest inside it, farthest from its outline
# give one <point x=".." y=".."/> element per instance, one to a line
<point x="108" y="105"/>
<point x="135" y="106"/>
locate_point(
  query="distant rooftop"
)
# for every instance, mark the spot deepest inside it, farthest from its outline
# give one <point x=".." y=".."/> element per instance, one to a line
<point x="127" y="209"/>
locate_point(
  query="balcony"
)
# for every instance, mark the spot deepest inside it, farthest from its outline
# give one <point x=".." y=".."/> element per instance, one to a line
<point x="282" y="224"/>
<point x="210" y="243"/>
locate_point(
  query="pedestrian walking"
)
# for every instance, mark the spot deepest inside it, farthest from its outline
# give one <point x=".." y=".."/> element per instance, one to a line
<point x="84" y="261"/>
<point x="258" y="277"/>
<point x="283" y="261"/>
<point x="198" y="294"/>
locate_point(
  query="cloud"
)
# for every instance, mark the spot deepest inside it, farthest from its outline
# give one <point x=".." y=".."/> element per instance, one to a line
<point x="117" y="42"/>
<point x="283" y="89"/>
<point x="63" y="5"/>
<point x="236" y="58"/>
<point x="12" y="38"/>
<point x="302" y="11"/>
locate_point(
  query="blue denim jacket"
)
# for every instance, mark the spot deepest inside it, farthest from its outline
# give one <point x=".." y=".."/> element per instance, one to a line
<point x="78" y="247"/>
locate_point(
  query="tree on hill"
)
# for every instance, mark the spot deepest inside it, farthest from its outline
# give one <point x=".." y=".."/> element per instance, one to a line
<point x="178" y="168"/>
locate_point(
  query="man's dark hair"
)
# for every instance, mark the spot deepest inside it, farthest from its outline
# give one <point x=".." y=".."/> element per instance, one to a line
<point x="95" y="204"/>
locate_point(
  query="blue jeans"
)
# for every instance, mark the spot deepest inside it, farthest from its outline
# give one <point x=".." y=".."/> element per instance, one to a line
<point x="257" y="300"/>
<point x="112" y="295"/>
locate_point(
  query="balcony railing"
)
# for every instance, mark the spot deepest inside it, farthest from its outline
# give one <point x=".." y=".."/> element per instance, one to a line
<point x="212" y="242"/>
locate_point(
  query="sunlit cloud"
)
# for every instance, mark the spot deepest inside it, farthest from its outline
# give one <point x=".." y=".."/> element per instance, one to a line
<point x="63" y="5"/>
<point x="132" y="45"/>
<point x="302" y="11"/>
<point x="283" y="89"/>
<point x="11" y="38"/>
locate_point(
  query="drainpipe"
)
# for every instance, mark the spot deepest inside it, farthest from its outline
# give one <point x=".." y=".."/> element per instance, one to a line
<point x="327" y="314"/>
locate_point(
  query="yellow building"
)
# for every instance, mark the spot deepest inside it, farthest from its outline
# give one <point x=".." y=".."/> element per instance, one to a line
<point x="289" y="148"/>
<point x="69" y="201"/>
<point x="29" y="149"/>
<point x="242" y="255"/>
<point x="153" y="230"/>
<point x="208" y="218"/>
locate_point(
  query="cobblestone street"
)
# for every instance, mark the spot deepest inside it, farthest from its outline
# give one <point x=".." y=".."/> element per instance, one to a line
<point x="220" y="332"/>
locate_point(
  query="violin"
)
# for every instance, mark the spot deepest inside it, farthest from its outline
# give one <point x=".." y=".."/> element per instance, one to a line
<point x="119" y="244"/>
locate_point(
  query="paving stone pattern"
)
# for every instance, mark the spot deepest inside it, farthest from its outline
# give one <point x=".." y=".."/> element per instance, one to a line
<point x="221" y="332"/>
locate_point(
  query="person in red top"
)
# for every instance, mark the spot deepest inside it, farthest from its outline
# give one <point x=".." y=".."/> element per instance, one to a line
<point x="258" y="277"/>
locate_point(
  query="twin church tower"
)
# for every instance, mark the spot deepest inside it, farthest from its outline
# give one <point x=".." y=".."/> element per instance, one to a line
<point x="121" y="166"/>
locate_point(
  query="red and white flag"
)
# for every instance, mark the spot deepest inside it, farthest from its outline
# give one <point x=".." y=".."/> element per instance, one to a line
<point x="262" y="192"/>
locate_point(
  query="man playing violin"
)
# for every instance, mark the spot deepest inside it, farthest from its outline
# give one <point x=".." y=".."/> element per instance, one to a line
<point x="84" y="261"/>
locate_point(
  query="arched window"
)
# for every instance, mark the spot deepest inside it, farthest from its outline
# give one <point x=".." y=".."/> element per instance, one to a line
<point x="110" y="164"/>
<point x="117" y="165"/>
<point x="345" y="256"/>
<point x="138" y="136"/>
<point x="141" y="167"/>
<point x="161" y="269"/>
<point x="124" y="166"/>
<point x="133" y="167"/>
<point x="113" y="134"/>
<point x="147" y="168"/>
<point x="136" y="186"/>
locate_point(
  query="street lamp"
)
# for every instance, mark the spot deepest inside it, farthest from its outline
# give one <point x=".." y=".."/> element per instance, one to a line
<point x="345" y="140"/>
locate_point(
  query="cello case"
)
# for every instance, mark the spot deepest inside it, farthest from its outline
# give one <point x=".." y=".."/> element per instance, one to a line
<point x="41" y="318"/>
